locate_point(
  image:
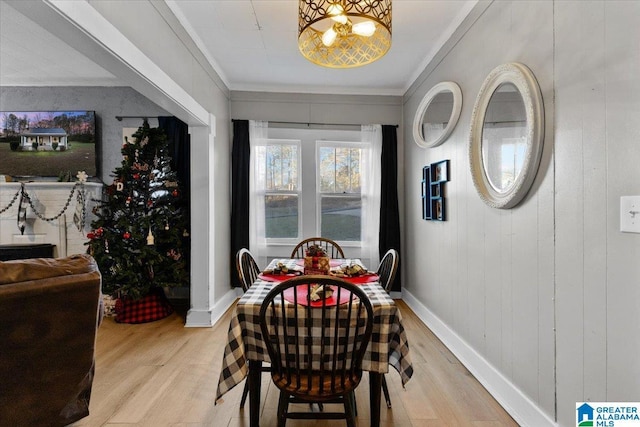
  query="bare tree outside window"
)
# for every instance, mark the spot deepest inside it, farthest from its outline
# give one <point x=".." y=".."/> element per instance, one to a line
<point x="340" y="198"/>
<point x="281" y="196"/>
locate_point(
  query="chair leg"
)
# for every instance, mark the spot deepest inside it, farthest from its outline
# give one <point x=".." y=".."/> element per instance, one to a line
<point x="355" y="403"/>
<point x="348" y="409"/>
<point x="283" y="406"/>
<point x="385" y="390"/>
<point x="245" y="392"/>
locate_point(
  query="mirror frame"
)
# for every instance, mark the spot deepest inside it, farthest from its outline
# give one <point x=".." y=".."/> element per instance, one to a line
<point x="422" y="109"/>
<point x="523" y="79"/>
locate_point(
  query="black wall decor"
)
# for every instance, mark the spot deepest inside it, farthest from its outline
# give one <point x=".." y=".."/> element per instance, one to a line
<point x="434" y="178"/>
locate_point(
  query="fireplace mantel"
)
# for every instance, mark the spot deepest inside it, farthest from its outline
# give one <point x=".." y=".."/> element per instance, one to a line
<point x="50" y="199"/>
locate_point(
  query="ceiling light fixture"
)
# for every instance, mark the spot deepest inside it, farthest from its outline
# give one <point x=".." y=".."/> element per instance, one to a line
<point x="344" y="33"/>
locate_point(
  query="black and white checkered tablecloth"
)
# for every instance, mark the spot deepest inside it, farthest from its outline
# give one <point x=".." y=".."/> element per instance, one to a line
<point x="388" y="345"/>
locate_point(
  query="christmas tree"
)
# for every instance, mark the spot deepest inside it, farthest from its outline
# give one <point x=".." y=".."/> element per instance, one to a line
<point x="139" y="235"/>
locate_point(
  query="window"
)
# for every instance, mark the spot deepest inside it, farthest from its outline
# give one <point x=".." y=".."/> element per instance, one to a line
<point x="278" y="162"/>
<point x="314" y="182"/>
<point x="338" y="177"/>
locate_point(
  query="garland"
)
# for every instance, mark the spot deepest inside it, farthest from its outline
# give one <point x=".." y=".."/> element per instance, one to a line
<point x="24" y="196"/>
<point x="6" y="208"/>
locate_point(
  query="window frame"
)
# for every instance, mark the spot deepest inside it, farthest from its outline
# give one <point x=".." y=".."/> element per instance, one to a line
<point x="321" y="194"/>
<point x="298" y="193"/>
<point x="266" y="249"/>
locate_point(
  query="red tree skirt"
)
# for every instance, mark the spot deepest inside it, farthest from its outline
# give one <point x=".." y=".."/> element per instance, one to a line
<point x="147" y="309"/>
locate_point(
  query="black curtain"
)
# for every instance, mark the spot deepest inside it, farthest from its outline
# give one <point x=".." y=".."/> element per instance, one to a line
<point x="240" y="157"/>
<point x="179" y="148"/>
<point x="389" y="213"/>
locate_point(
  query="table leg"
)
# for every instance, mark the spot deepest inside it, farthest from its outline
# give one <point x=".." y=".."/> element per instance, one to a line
<point x="255" y="377"/>
<point x="375" y="384"/>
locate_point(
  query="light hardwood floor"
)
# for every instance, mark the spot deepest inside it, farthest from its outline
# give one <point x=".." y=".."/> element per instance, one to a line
<point x="163" y="374"/>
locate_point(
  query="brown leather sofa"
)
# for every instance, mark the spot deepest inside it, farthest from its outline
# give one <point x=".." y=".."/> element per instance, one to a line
<point x="49" y="315"/>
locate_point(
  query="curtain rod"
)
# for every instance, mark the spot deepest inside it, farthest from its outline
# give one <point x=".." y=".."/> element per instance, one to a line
<point x="119" y="118"/>
<point x="312" y="124"/>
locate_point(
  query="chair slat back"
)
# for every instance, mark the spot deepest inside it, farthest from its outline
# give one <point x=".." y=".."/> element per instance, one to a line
<point x="388" y="268"/>
<point x="332" y="248"/>
<point x="247" y="268"/>
<point x="316" y="350"/>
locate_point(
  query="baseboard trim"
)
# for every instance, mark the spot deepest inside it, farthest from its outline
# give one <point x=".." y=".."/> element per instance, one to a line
<point x="523" y="410"/>
<point x="222" y="305"/>
<point x="208" y="318"/>
<point x="198" y="319"/>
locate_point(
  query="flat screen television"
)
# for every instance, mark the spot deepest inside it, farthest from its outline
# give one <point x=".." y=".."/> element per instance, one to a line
<point x="48" y="144"/>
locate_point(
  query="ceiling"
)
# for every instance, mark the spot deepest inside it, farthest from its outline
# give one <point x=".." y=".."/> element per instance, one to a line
<point x="250" y="43"/>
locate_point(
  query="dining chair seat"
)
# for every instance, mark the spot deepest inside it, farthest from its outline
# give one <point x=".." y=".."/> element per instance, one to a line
<point x="312" y="388"/>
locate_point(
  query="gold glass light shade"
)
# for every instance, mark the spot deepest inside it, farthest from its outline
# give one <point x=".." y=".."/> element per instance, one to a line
<point x="348" y="48"/>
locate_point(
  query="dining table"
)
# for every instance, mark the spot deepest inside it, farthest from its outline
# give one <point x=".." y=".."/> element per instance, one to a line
<point x="245" y="350"/>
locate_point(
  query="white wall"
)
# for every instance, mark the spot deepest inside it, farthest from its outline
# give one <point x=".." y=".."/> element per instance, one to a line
<point x="332" y="110"/>
<point x="308" y="199"/>
<point x="143" y="45"/>
<point x="314" y="108"/>
<point x="597" y="161"/>
<point x="107" y="102"/>
<point x="164" y="41"/>
<point x="50" y="200"/>
<point x="540" y="300"/>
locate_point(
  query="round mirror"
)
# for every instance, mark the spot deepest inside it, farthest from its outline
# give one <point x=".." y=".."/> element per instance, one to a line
<point x="507" y="134"/>
<point x="437" y="114"/>
<point x="504" y="134"/>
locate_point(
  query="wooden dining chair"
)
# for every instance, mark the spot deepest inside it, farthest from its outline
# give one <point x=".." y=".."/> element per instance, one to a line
<point x="332" y="248"/>
<point x="316" y="349"/>
<point x="387" y="269"/>
<point x="387" y="272"/>
<point x="247" y="268"/>
<point x="248" y="271"/>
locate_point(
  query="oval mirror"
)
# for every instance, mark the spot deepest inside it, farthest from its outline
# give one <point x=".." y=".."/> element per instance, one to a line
<point x="507" y="134"/>
<point x="437" y="114"/>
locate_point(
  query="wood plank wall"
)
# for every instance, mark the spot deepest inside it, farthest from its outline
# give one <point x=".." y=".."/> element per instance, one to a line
<point x="544" y="292"/>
